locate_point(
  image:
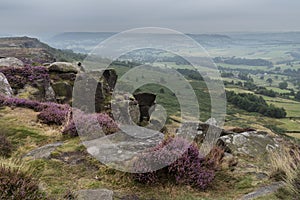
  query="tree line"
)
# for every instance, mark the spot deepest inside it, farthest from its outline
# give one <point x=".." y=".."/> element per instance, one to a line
<point x="253" y="103"/>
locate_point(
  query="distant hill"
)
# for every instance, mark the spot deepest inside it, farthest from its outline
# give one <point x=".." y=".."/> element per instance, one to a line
<point x="32" y="50"/>
<point x="84" y="42"/>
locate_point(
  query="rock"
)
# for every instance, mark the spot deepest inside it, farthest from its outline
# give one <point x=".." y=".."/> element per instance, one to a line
<point x="11" y="62"/>
<point x="125" y="110"/>
<point x="110" y="76"/>
<point x="122" y="147"/>
<point x="99" y="194"/>
<point x="239" y="140"/>
<point x="63" y="67"/>
<point x="49" y="93"/>
<point x="39" y="90"/>
<point x="5" y="88"/>
<point x="145" y="101"/>
<point x="212" y="121"/>
<point x="250" y="143"/>
<point x="29" y="92"/>
<point x="63" y="91"/>
<point x="44" y="151"/>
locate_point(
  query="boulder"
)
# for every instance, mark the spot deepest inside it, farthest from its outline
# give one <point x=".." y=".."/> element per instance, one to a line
<point x="212" y="121"/>
<point x="125" y="109"/>
<point x="11" y="62"/>
<point x="99" y="194"/>
<point x="5" y="88"/>
<point x="122" y="147"/>
<point x="110" y="76"/>
<point x="63" y="91"/>
<point x="145" y="101"/>
<point x="64" y="67"/>
<point x="251" y="143"/>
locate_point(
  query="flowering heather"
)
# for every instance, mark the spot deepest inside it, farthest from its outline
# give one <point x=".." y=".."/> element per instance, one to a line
<point x="190" y="168"/>
<point x="54" y="114"/>
<point x="16" y="102"/>
<point x="50" y="113"/>
<point x="103" y="120"/>
<point x="19" y="77"/>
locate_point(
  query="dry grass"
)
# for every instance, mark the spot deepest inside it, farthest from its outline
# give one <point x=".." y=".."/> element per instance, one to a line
<point x="285" y="165"/>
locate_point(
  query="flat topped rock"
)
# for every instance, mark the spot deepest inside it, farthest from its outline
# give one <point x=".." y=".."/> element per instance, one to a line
<point x="99" y="194"/>
<point x="63" y="67"/>
<point x="121" y="147"/>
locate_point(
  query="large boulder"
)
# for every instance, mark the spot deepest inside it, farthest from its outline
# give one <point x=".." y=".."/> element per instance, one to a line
<point x="251" y="143"/>
<point x="5" y="88"/>
<point x="64" y="67"/>
<point x="11" y="62"/>
<point x="121" y="148"/>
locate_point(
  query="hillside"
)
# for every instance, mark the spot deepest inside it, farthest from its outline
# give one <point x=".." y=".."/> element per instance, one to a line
<point x="34" y="51"/>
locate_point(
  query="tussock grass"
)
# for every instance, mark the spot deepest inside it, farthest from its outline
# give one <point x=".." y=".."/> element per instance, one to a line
<point x="285" y="165"/>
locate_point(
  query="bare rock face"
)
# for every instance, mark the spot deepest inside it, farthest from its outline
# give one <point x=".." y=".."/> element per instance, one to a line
<point x="5" y="88"/>
<point x="11" y="62"/>
<point x="125" y="109"/>
<point x="41" y="91"/>
<point x="145" y="101"/>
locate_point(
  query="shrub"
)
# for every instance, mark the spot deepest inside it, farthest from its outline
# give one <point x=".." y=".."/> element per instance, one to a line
<point x="16" y="102"/>
<point x="190" y="168"/>
<point x="19" y="77"/>
<point x="107" y="124"/>
<point x="17" y="185"/>
<point x="52" y="113"/>
<point x="5" y="146"/>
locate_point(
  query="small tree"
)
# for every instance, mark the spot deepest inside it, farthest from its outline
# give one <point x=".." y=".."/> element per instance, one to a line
<point x="283" y="85"/>
<point x="270" y="81"/>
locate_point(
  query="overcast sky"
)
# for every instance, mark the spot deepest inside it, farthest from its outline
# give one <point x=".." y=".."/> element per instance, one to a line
<point x="189" y="16"/>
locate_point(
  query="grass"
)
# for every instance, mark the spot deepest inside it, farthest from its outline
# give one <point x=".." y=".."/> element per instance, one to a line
<point x="57" y="175"/>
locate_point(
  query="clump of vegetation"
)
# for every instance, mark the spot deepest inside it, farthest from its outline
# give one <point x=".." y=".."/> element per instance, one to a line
<point x="190" y="168"/>
<point x="5" y="146"/>
<point x="19" y="77"/>
<point x="61" y="114"/>
<point x="253" y="103"/>
<point x="52" y="113"/>
<point x="16" y="102"/>
<point x="102" y="120"/>
<point x="16" y="184"/>
<point x="285" y="167"/>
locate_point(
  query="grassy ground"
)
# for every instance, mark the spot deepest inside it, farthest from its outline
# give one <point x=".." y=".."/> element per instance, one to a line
<point x="71" y="168"/>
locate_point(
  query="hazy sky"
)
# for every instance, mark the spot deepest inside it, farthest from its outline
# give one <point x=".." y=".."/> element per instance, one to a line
<point x="193" y="16"/>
